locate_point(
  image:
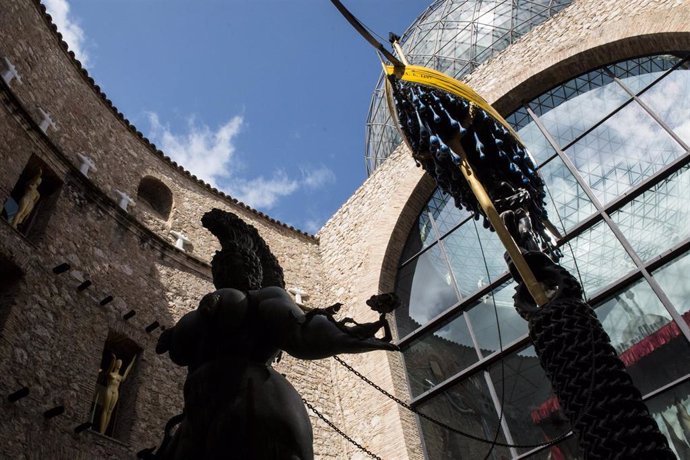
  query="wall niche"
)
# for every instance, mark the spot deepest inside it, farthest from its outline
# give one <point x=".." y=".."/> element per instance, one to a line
<point x="30" y="204"/>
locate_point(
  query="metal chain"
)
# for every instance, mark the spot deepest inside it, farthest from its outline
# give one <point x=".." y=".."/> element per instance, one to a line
<point x="339" y="431"/>
<point x="440" y="423"/>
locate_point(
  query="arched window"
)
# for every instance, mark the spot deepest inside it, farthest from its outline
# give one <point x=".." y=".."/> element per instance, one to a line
<point x="155" y="195"/>
<point x="612" y="147"/>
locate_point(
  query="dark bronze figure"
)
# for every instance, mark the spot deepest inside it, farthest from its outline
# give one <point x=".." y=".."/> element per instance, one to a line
<point x="236" y="405"/>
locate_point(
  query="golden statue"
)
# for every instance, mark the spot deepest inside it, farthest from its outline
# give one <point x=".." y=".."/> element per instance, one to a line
<point x="28" y="201"/>
<point x="111" y="392"/>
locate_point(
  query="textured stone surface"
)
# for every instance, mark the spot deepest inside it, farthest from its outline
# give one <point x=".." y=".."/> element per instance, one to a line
<point x="51" y="335"/>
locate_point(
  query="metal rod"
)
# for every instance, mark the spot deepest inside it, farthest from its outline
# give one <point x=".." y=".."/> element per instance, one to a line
<point x="533" y="286"/>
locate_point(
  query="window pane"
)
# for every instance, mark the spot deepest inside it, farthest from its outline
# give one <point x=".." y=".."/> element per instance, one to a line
<point x="659" y="218"/>
<point x="597" y="257"/>
<point x="534" y="140"/>
<point x="439" y="354"/>
<point x="570" y="109"/>
<point x="444" y="212"/>
<point x="567" y="450"/>
<point x="670" y="100"/>
<point x="483" y="320"/>
<point x="425" y="290"/>
<point x="466" y="406"/>
<point x="421" y="236"/>
<point x="627" y="149"/>
<point x="637" y="74"/>
<point x="470" y="256"/>
<point x="645" y="337"/>
<point x="671" y="410"/>
<point x="566" y="202"/>
<point x="674" y="279"/>
<point x="529" y="405"/>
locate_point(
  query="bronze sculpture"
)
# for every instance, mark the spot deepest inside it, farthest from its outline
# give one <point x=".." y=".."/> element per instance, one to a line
<point x="236" y="405"/>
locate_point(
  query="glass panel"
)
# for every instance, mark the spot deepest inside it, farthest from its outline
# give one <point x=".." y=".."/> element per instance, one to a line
<point x="659" y="218"/>
<point x="627" y="149"/>
<point x="425" y="290"/>
<point x="470" y="256"/>
<point x="669" y="99"/>
<point x="421" y="236"/>
<point x="567" y="450"/>
<point x="566" y="202"/>
<point x="638" y="73"/>
<point x="597" y="257"/>
<point x="529" y="406"/>
<point x="483" y="320"/>
<point x="439" y="354"/>
<point x="466" y="406"/>
<point x="570" y="109"/>
<point x="644" y="335"/>
<point x="671" y="410"/>
<point x="673" y="278"/>
<point x="531" y="136"/>
<point x="444" y="212"/>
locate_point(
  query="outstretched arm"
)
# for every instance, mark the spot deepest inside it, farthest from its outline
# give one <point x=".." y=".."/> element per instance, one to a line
<point x="129" y="368"/>
<point x="313" y="338"/>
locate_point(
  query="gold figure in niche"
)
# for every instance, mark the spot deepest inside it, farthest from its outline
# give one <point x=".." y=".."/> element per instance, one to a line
<point x="28" y="201"/>
<point x="111" y="392"/>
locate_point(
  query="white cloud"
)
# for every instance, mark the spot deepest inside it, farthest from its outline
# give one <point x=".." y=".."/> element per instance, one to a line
<point x="261" y="192"/>
<point x="211" y="156"/>
<point x="317" y="178"/>
<point x="312" y="225"/>
<point x="69" y="27"/>
<point x="205" y="153"/>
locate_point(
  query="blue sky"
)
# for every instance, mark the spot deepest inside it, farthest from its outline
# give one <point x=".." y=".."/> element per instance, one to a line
<point x="265" y="99"/>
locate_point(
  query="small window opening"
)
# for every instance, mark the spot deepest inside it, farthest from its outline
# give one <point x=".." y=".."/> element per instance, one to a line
<point x="156" y="196"/>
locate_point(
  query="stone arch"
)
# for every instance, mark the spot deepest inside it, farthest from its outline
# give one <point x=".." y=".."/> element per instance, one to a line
<point x="156" y="196"/>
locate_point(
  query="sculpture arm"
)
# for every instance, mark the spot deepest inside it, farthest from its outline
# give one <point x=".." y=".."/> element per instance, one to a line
<point x="316" y="338"/>
<point x="129" y="368"/>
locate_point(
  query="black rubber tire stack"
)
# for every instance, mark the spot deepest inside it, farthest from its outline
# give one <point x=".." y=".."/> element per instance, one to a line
<point x="596" y="393"/>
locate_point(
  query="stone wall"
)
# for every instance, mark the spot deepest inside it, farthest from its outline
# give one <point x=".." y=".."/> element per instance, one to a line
<point x="52" y="335"/>
<point x="364" y="226"/>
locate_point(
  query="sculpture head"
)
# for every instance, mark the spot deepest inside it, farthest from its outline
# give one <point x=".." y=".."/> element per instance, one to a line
<point x="245" y="261"/>
<point x="118" y="365"/>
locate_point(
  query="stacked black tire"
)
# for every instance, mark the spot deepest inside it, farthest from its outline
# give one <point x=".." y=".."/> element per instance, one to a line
<point x="596" y="393"/>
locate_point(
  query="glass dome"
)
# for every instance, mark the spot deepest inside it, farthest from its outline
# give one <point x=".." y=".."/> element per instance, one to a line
<point x="453" y="36"/>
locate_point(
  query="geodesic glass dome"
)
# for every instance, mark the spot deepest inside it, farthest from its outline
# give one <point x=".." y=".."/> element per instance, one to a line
<point x="454" y="37"/>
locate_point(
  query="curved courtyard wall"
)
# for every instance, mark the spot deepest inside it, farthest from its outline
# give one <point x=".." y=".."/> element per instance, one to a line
<point x="52" y="334"/>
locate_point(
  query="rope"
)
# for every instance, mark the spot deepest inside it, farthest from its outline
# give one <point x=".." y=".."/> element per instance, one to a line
<point x="617" y="425"/>
<point x="339" y="431"/>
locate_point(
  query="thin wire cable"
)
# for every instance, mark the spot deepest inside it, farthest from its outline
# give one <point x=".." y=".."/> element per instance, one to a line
<point x="500" y="345"/>
<point x="433" y="420"/>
